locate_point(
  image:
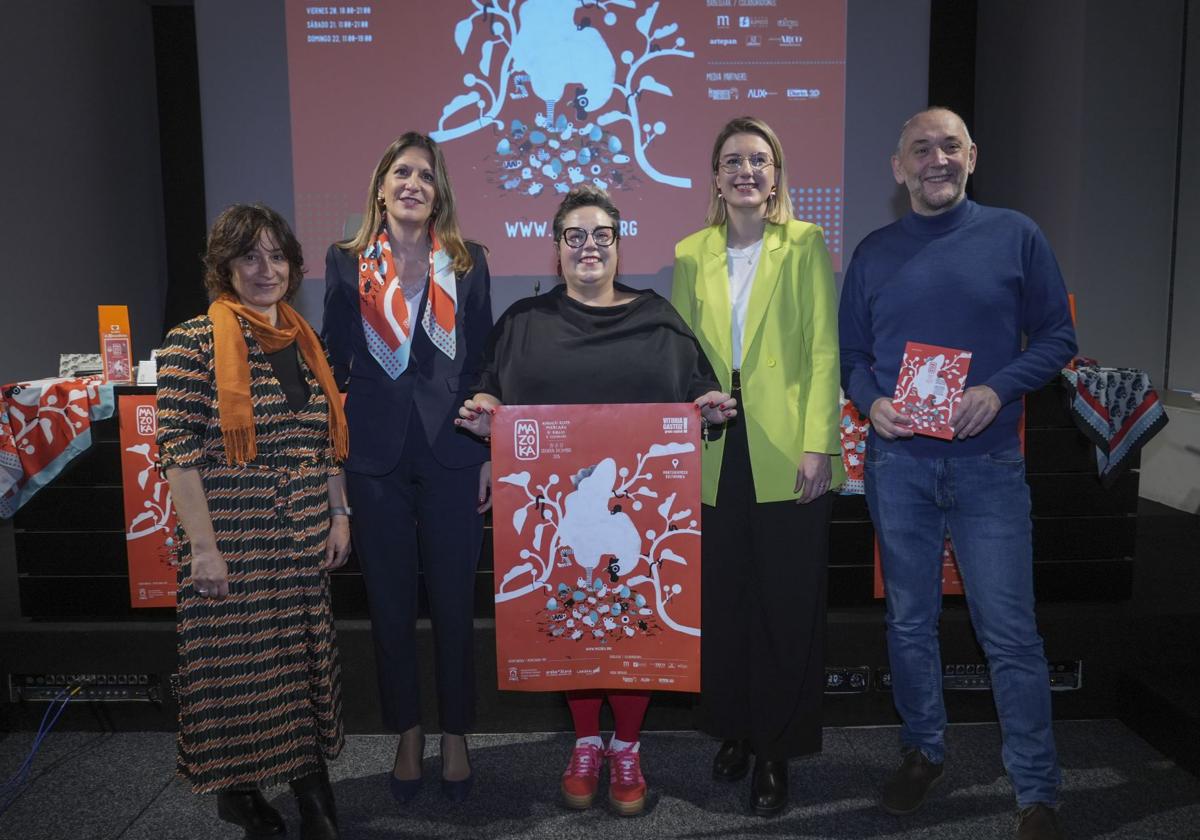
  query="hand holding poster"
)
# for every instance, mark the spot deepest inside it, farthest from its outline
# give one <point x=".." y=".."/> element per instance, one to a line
<point x="596" y="535"/>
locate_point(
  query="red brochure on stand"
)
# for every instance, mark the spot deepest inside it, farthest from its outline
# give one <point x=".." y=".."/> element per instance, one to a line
<point x="930" y="387"/>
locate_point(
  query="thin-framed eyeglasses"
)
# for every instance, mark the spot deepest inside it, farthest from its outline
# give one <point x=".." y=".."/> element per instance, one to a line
<point x="733" y="164"/>
<point x="603" y="236"/>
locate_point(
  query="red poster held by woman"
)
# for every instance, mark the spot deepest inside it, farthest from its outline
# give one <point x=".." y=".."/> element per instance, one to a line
<point x="596" y="535"/>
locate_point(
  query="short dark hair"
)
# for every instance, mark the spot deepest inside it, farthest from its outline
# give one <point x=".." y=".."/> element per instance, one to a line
<point x="234" y="233"/>
<point x="584" y="195"/>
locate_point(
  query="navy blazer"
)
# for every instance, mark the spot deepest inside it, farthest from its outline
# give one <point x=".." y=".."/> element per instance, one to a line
<point x="377" y="406"/>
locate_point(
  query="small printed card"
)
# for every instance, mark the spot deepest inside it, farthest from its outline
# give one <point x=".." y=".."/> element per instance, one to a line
<point x="930" y="387"/>
<point x="116" y="351"/>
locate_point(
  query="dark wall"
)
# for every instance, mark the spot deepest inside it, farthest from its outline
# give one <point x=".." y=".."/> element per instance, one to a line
<point x="1185" y="337"/>
<point x="81" y="217"/>
<point x="1077" y="116"/>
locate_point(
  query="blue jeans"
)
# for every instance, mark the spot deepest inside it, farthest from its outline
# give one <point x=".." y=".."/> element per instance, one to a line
<point x="983" y="501"/>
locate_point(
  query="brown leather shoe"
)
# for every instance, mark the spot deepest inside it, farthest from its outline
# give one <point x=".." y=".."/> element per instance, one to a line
<point x="910" y="784"/>
<point x="1038" y="822"/>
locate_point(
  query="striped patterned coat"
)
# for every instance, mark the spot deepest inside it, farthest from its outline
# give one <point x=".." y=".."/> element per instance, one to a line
<point x="259" y="696"/>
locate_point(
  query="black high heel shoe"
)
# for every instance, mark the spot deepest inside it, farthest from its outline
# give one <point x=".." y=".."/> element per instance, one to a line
<point x="457" y="791"/>
<point x="249" y="810"/>
<point x="318" y="813"/>
<point x="406" y="790"/>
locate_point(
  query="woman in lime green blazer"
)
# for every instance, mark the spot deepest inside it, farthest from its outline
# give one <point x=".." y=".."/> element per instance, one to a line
<point x="756" y="287"/>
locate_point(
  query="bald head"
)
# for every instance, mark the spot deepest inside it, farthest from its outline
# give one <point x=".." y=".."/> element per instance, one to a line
<point x="936" y="113"/>
<point x="934" y="156"/>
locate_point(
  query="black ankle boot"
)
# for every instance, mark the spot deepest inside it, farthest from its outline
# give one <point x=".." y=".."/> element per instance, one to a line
<point x="318" y="815"/>
<point x="769" y="787"/>
<point x="248" y="809"/>
<point x="732" y="761"/>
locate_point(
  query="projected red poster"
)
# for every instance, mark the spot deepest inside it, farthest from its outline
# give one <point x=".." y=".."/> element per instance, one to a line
<point x="529" y="97"/>
<point x="596" y="543"/>
<point x="149" y="515"/>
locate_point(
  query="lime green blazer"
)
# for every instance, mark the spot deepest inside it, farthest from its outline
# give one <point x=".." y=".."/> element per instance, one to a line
<point x="789" y="372"/>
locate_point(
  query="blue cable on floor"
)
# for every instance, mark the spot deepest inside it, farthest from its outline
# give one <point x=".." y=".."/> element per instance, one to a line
<point x="11" y="789"/>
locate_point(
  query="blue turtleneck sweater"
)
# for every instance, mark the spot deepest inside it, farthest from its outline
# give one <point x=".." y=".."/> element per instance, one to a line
<point x="973" y="278"/>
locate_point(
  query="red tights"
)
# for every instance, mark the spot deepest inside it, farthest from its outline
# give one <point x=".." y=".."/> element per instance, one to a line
<point x="628" y="707"/>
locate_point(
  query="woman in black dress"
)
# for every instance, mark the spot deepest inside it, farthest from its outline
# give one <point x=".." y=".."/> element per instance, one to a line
<point x="593" y="340"/>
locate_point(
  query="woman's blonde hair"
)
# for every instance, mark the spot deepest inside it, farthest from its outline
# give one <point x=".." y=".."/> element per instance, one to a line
<point x="779" y="205"/>
<point x="444" y="217"/>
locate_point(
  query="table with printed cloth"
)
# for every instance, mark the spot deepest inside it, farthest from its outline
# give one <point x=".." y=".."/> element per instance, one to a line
<point x="44" y="424"/>
<point x="1118" y="410"/>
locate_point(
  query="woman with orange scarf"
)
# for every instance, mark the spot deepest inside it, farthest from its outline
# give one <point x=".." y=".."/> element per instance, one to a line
<point x="251" y="433"/>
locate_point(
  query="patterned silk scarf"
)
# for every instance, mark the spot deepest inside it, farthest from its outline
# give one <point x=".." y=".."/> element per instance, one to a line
<point x="384" y="310"/>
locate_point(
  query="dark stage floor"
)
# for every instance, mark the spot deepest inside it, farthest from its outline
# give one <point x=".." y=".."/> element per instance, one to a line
<point x="106" y="786"/>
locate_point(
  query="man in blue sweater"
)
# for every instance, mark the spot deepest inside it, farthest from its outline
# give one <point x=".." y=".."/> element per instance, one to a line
<point x="955" y="274"/>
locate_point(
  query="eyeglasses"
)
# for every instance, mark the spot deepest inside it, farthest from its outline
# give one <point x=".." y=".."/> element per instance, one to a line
<point x="575" y="237"/>
<point x="733" y="163"/>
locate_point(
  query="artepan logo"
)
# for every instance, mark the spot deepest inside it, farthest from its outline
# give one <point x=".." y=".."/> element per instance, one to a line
<point x="526" y="440"/>
<point x="146" y="424"/>
<point x="675" y="425"/>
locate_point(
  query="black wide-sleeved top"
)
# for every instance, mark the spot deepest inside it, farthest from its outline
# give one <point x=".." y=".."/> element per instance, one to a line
<point x="554" y="350"/>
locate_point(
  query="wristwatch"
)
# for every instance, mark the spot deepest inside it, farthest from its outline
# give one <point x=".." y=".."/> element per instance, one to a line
<point x="340" y="511"/>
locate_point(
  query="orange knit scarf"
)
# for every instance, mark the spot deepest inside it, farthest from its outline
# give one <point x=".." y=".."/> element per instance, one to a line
<point x="231" y="361"/>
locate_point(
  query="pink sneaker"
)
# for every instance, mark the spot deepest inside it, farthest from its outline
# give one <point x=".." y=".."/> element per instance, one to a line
<point x="626" y="785"/>
<point x="582" y="776"/>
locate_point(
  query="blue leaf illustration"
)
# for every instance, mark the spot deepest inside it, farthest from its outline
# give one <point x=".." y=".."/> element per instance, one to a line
<point x="650" y="83"/>
<point x="485" y="59"/>
<point x="657" y="449"/>
<point x="664" y="31"/>
<point x="462" y="34"/>
<point x="668" y="554"/>
<point x="664" y="510"/>
<point x="520" y="479"/>
<point x="459" y="102"/>
<point x="611" y="117"/>
<point x="647" y="19"/>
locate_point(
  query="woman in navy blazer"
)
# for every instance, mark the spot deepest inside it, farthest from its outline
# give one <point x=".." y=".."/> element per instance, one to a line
<point x="407" y="310"/>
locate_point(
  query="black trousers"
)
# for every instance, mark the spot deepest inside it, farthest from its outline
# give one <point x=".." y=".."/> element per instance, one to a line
<point x="420" y="515"/>
<point x="763" y="574"/>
